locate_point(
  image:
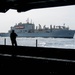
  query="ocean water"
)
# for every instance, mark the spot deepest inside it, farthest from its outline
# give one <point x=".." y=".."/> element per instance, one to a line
<point x="42" y="42"/>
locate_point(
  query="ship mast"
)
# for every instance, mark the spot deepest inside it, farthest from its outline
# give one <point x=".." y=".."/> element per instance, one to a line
<point x="27" y="20"/>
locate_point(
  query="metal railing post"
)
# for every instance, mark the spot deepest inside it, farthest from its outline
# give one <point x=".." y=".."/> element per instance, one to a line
<point x="36" y="43"/>
<point x="5" y="41"/>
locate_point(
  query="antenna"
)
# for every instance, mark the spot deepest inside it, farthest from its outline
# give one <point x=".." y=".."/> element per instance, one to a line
<point x="31" y="21"/>
<point x="27" y="20"/>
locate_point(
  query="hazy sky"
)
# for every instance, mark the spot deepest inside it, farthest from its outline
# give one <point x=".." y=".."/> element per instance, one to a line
<point x="43" y="16"/>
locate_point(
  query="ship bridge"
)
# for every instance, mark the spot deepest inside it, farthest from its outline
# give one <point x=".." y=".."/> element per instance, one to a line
<point x="23" y="28"/>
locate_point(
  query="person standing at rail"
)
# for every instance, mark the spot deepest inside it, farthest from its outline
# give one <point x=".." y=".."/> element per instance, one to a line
<point x="13" y="36"/>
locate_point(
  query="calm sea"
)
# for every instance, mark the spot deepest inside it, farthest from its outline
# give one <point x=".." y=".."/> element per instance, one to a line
<point x="42" y="42"/>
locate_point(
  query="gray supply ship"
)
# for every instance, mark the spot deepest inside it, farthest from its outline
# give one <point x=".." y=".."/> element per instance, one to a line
<point x="29" y="30"/>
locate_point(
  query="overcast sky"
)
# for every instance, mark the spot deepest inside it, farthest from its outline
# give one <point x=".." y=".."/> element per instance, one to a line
<point x="44" y="16"/>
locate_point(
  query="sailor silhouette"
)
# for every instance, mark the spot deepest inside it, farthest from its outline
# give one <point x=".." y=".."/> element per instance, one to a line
<point x="13" y="36"/>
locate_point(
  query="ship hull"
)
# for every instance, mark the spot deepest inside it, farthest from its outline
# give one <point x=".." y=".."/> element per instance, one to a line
<point x="53" y="34"/>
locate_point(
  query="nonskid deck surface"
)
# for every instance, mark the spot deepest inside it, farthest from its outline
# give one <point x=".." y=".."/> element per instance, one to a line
<point x="37" y="60"/>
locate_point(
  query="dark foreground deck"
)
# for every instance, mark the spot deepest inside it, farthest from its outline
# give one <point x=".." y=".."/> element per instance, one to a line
<point x="36" y="60"/>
